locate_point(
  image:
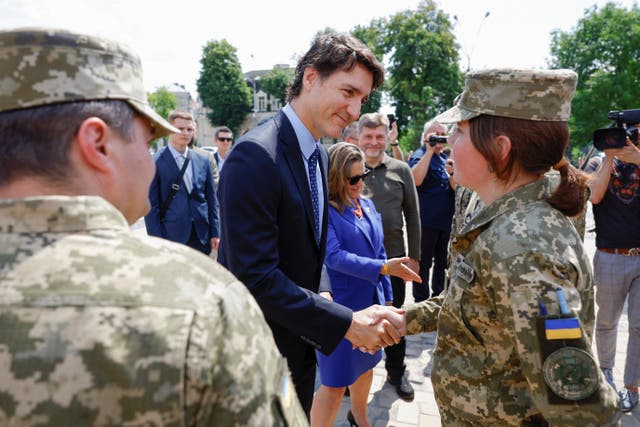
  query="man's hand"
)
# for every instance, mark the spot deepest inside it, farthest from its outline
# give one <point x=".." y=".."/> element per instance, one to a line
<point x="430" y="149"/>
<point x="215" y="242"/>
<point x="628" y="154"/>
<point x="326" y="295"/>
<point x="393" y="133"/>
<point x="373" y="328"/>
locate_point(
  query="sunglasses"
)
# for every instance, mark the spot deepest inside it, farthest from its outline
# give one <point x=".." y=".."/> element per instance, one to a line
<point x="225" y="139"/>
<point x="353" y="180"/>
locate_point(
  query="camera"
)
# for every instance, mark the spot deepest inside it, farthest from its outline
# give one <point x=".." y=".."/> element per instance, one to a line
<point x="392" y="119"/>
<point x="616" y="136"/>
<point x="437" y="139"/>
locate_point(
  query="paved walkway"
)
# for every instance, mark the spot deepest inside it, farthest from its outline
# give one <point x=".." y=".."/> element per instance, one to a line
<point x="387" y="409"/>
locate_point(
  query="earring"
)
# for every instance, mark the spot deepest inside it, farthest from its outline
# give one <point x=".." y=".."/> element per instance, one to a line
<point x="490" y="168"/>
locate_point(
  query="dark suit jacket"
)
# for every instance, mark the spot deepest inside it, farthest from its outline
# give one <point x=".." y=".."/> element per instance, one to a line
<point x="199" y="207"/>
<point x="268" y="239"/>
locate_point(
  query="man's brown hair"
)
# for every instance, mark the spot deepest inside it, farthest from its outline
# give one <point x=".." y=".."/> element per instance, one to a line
<point x="177" y="114"/>
<point x="333" y="52"/>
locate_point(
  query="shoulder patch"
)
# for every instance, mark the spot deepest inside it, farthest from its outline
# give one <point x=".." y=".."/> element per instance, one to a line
<point x="571" y="373"/>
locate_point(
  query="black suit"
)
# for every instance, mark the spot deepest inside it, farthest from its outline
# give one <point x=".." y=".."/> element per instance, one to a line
<point x="268" y="242"/>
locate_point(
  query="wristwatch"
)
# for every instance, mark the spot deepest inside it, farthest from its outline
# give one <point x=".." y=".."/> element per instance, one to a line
<point x="393" y="145"/>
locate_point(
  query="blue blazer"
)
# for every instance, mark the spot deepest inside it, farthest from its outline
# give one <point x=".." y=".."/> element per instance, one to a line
<point x="199" y="207"/>
<point x="268" y="240"/>
<point x="355" y="254"/>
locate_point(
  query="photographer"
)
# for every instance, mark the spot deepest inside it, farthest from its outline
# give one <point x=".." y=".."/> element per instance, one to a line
<point x="433" y="174"/>
<point x="615" y="195"/>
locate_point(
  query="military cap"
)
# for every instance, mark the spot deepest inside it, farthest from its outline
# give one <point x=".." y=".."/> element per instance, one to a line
<point x="40" y="66"/>
<point x="542" y="95"/>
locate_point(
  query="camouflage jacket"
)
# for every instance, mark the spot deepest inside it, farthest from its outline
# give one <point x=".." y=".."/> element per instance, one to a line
<point x="99" y="327"/>
<point x="487" y="367"/>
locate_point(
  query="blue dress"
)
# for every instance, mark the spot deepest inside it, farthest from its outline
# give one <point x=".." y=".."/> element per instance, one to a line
<point x="355" y="254"/>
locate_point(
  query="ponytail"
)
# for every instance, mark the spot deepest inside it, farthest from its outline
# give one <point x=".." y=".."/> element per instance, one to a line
<point x="571" y="194"/>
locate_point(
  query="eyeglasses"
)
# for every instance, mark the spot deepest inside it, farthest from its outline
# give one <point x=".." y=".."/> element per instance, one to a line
<point x="353" y="180"/>
<point x="225" y="139"/>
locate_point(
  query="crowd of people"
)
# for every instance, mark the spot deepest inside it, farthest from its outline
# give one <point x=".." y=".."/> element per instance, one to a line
<point x="101" y="327"/>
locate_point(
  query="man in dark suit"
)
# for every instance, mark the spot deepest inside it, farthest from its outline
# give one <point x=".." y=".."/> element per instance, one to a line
<point x="190" y="216"/>
<point x="224" y="141"/>
<point x="273" y="193"/>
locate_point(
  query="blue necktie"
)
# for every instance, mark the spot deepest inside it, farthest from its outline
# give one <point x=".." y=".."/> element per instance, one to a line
<point x="313" y="162"/>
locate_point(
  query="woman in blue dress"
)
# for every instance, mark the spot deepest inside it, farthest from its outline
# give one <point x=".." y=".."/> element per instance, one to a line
<point x="359" y="274"/>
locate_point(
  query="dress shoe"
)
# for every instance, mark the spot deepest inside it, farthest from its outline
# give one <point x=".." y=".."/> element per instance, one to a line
<point x="403" y="387"/>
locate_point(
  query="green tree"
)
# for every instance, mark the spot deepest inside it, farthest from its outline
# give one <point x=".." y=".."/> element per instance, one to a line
<point x="162" y="101"/>
<point x="421" y="57"/>
<point x="277" y="81"/>
<point x="222" y="87"/>
<point x="603" y="49"/>
<point x="370" y="36"/>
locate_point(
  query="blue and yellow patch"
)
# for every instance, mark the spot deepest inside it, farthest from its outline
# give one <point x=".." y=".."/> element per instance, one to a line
<point x="562" y="329"/>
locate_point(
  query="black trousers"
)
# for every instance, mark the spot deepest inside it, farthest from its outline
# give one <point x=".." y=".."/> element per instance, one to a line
<point x="195" y="243"/>
<point x="304" y="379"/>
<point x="394" y="361"/>
<point x="433" y="253"/>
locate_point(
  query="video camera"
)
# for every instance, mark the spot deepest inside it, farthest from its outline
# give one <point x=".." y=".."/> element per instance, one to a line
<point x="616" y="136"/>
<point x="437" y="139"/>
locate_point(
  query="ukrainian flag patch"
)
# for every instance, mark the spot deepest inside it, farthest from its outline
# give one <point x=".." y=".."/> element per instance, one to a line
<point x="562" y="329"/>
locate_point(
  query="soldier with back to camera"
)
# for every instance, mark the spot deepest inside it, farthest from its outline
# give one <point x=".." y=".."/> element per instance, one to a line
<point x="97" y="326"/>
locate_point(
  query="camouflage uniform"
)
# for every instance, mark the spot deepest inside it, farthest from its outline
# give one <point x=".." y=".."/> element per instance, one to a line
<point x="510" y="257"/>
<point x="98" y="327"/>
<point x="486" y="364"/>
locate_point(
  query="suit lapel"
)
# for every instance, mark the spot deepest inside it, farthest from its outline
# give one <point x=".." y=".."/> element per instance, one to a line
<point x="171" y="168"/>
<point x="348" y="215"/>
<point x="195" y="171"/>
<point x="293" y="156"/>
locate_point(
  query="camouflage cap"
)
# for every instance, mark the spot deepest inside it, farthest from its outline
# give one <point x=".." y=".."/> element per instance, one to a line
<point x="40" y="66"/>
<point x="543" y="95"/>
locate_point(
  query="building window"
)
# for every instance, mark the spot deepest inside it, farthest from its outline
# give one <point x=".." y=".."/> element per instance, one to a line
<point x="261" y="104"/>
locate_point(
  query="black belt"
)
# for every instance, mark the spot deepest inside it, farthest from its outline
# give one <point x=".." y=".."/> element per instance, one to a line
<point x="621" y="251"/>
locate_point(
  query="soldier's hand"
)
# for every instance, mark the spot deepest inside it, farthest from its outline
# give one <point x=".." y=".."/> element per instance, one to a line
<point x="370" y="335"/>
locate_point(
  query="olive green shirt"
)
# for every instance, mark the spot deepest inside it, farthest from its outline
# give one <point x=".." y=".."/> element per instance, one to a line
<point x="392" y="189"/>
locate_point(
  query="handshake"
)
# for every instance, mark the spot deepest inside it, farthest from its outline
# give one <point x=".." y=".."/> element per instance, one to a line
<point x="376" y="327"/>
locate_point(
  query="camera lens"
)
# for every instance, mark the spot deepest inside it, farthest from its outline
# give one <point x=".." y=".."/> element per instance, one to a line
<point x="437" y="139"/>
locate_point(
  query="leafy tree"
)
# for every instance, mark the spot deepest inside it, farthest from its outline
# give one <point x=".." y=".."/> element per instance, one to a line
<point x="603" y="49"/>
<point x="222" y="87"/>
<point x="162" y="101"/>
<point x="370" y="36"/>
<point x="277" y="81"/>
<point x="423" y="75"/>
